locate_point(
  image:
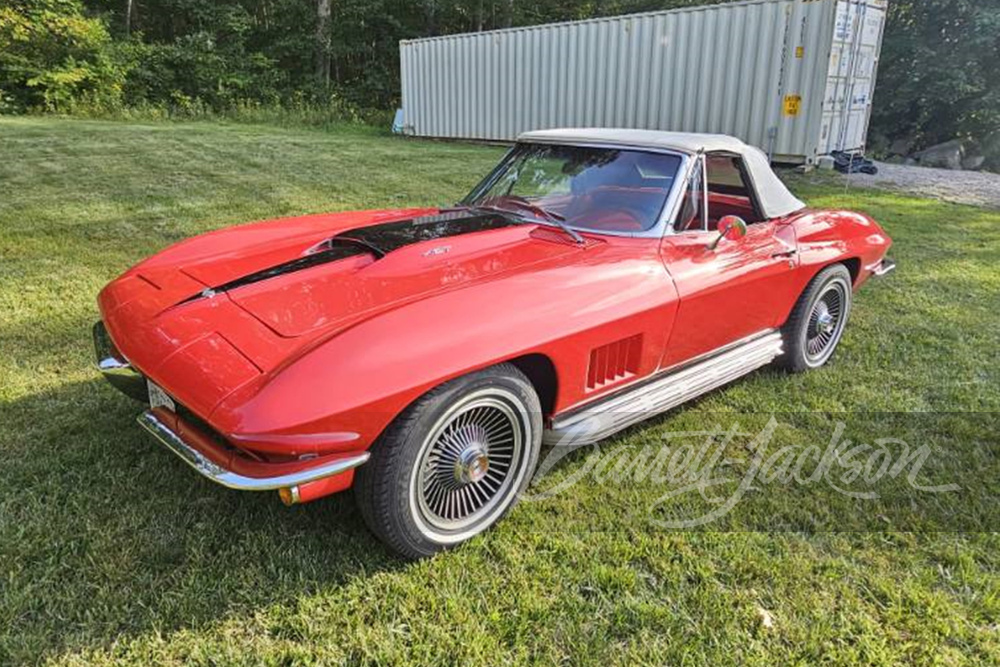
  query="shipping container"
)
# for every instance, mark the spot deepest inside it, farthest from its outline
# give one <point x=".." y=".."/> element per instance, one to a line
<point x="793" y="77"/>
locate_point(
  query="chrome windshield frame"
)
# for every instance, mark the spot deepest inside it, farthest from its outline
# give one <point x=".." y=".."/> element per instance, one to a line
<point x="667" y="213"/>
<point x="697" y="164"/>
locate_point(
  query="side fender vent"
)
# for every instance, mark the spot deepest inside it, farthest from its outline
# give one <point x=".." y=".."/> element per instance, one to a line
<point x="614" y="362"/>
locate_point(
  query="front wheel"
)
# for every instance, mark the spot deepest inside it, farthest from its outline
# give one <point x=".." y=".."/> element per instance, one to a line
<point x="453" y="463"/>
<point x="817" y="322"/>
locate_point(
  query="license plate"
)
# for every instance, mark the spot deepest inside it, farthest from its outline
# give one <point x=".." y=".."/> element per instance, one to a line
<point x="159" y="399"/>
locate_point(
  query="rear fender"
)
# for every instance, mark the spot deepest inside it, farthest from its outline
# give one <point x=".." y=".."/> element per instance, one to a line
<point x="830" y="237"/>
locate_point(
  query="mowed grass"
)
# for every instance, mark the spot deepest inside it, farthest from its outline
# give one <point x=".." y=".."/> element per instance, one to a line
<point x="113" y="551"/>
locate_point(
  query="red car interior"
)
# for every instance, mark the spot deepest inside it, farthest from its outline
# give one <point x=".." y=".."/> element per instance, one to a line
<point x="721" y="205"/>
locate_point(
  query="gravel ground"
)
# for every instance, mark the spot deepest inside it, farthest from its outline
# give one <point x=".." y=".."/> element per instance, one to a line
<point x="978" y="188"/>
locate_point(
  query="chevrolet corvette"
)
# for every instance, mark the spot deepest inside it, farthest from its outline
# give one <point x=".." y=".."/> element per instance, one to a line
<point x="423" y="356"/>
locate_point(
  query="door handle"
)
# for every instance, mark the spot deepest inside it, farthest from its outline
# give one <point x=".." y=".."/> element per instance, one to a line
<point x="785" y="253"/>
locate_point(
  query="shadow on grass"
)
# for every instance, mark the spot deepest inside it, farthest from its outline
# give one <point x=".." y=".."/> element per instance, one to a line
<point x="105" y="535"/>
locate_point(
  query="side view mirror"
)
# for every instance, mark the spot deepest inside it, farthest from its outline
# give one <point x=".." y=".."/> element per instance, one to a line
<point x="731" y="228"/>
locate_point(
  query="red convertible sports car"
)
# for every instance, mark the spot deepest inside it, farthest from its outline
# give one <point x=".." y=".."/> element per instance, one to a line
<point x="594" y="278"/>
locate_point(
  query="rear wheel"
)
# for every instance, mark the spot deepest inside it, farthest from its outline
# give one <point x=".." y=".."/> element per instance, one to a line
<point x="817" y="322"/>
<point x="453" y="463"/>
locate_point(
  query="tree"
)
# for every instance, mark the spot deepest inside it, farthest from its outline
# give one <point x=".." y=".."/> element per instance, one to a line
<point x="323" y="13"/>
<point x="939" y="76"/>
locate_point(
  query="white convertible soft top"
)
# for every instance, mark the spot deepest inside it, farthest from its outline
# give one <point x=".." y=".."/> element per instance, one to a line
<point x="772" y="194"/>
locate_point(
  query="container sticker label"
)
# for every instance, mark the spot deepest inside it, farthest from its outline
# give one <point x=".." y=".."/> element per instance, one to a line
<point x="793" y="104"/>
<point x="800" y="51"/>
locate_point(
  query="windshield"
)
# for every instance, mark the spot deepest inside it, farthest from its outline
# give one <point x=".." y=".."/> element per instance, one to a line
<point x="595" y="189"/>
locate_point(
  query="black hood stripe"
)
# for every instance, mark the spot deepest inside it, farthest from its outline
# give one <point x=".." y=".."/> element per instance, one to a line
<point x="378" y="240"/>
<point x="392" y="236"/>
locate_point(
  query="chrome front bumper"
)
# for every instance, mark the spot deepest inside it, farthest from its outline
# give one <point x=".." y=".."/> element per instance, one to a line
<point x="115" y="367"/>
<point x="199" y="459"/>
<point x="203" y="453"/>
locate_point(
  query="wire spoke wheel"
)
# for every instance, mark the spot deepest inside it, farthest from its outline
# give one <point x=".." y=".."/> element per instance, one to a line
<point x="826" y="322"/>
<point x="471" y="464"/>
<point x="453" y="463"/>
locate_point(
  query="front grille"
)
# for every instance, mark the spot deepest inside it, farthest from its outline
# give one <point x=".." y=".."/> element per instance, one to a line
<point x="203" y="426"/>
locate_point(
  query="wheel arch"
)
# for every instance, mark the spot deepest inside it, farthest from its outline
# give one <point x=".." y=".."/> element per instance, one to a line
<point x="542" y="373"/>
<point x="853" y="265"/>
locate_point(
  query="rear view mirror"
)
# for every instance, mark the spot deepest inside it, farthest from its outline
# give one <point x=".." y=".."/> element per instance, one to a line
<point x="731" y="228"/>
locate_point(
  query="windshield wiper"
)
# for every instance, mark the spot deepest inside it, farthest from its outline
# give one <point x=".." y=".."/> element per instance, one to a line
<point x="560" y="220"/>
<point x="551" y="216"/>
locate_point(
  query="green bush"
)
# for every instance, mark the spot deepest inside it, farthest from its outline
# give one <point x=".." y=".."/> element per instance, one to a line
<point x="53" y="56"/>
<point x="199" y="66"/>
<point x="298" y="110"/>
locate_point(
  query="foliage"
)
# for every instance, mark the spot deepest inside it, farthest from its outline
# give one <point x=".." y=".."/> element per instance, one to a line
<point x="939" y="76"/>
<point x="51" y="54"/>
<point x="225" y="53"/>
<point x="330" y="112"/>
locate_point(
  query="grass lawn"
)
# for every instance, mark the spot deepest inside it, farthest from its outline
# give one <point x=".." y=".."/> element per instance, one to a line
<point x="113" y="551"/>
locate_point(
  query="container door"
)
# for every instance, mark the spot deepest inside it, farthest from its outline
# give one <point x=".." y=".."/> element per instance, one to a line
<point x="847" y="105"/>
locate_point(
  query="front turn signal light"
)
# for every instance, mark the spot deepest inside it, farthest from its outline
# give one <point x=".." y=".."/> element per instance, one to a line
<point x="289" y="495"/>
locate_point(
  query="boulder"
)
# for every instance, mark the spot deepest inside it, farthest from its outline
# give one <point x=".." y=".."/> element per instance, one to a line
<point x="947" y="155"/>
<point x="990" y="147"/>
<point x="973" y="162"/>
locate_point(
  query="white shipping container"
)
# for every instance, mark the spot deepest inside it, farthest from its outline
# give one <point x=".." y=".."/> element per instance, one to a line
<point x="794" y="77"/>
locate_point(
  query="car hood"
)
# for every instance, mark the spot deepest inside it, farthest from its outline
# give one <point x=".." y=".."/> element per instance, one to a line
<point x="359" y="272"/>
<point x="213" y="313"/>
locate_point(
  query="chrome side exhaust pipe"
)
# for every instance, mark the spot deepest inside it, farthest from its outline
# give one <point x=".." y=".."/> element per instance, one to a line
<point x="632" y="406"/>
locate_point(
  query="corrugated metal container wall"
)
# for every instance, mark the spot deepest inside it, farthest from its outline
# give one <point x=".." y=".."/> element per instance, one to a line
<point x="759" y="70"/>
